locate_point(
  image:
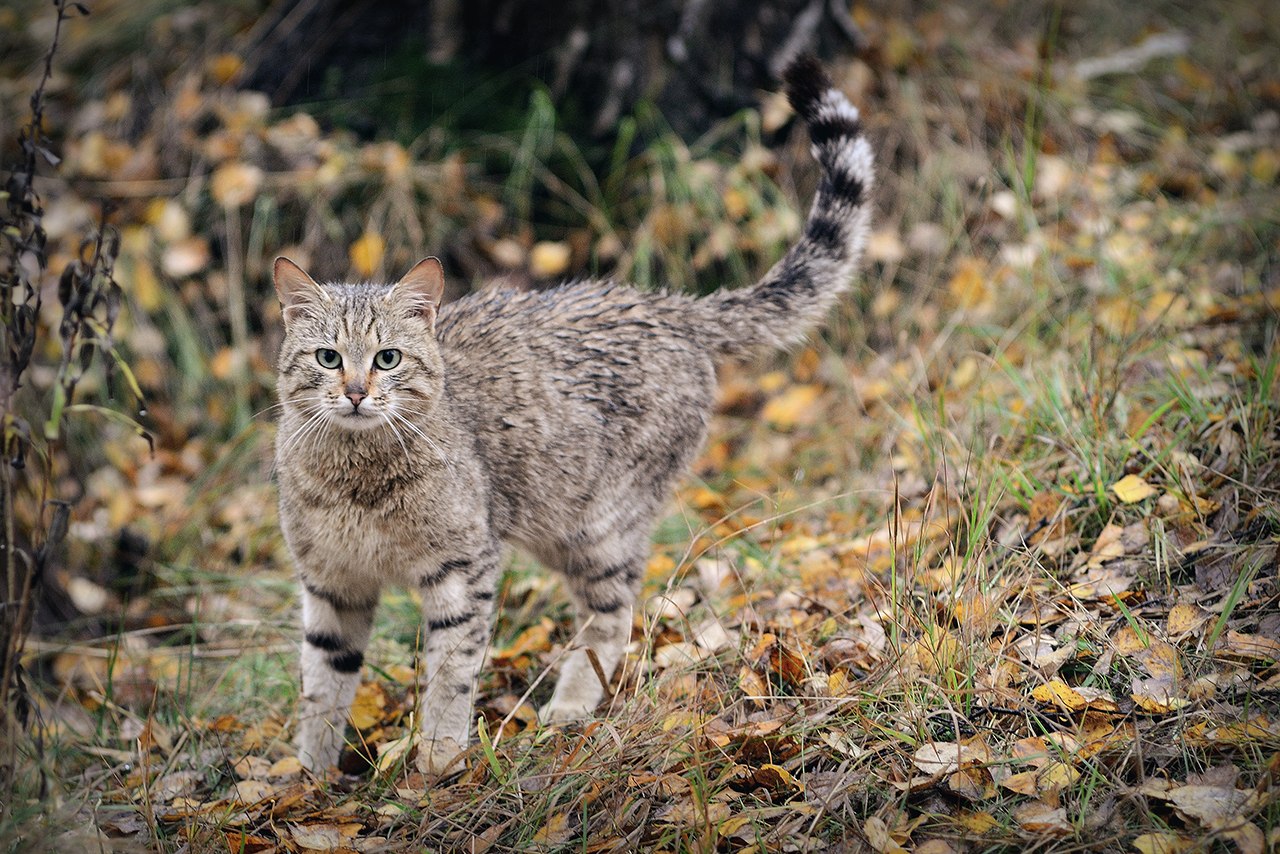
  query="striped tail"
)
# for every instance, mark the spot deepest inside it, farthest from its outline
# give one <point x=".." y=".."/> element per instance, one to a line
<point x="797" y="293"/>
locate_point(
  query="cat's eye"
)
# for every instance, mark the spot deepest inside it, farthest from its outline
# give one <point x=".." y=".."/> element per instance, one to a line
<point x="385" y="360"/>
<point x="328" y="358"/>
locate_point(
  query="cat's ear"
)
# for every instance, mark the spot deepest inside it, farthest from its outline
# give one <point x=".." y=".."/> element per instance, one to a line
<point x="297" y="291"/>
<point x="421" y="289"/>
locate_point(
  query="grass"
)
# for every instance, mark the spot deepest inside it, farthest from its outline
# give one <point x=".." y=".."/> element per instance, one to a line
<point x="938" y="624"/>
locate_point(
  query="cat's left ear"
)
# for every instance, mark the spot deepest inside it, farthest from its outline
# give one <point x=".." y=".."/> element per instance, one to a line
<point x="421" y="289"/>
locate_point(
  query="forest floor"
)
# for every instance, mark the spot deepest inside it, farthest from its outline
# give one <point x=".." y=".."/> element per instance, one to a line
<point x="993" y="563"/>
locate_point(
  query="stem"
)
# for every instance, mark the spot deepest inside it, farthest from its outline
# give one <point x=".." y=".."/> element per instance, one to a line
<point x="239" y="321"/>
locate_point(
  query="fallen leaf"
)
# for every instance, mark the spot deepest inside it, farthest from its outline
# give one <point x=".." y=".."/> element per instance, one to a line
<point x="1057" y="692"/>
<point x="556" y="831"/>
<point x="793" y="407"/>
<point x="1039" y="817"/>
<point x="1166" y="842"/>
<point x="1131" y="489"/>
<point x="878" y="837"/>
<point x="367" y="708"/>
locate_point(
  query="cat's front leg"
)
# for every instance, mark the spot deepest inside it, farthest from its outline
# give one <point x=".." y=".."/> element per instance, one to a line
<point x="336" y="630"/>
<point x="457" y="604"/>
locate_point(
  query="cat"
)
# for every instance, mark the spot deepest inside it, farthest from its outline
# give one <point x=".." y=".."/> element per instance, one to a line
<point x="416" y="439"/>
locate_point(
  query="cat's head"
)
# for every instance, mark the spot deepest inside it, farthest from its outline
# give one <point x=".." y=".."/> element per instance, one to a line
<point x="360" y="356"/>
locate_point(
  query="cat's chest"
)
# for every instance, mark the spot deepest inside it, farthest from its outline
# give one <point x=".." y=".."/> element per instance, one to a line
<point x="360" y="526"/>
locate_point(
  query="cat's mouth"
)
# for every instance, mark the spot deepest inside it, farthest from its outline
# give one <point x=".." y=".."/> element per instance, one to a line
<point x="355" y="419"/>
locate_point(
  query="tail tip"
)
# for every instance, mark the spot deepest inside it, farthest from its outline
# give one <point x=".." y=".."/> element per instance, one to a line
<point x="806" y="82"/>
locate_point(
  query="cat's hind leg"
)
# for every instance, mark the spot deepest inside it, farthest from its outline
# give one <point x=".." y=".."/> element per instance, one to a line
<point x="335" y="633"/>
<point x="604" y="593"/>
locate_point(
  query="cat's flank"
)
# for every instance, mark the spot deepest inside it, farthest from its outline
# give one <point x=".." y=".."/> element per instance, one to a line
<point x="417" y="438"/>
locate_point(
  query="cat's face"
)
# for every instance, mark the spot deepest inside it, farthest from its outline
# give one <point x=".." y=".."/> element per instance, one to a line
<point x="360" y="357"/>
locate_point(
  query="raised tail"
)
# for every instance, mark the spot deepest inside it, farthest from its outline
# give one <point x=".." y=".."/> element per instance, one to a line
<point x="797" y="293"/>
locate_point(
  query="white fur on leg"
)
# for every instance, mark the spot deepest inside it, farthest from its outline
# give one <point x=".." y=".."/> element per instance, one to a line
<point x="578" y="690"/>
<point x="322" y="714"/>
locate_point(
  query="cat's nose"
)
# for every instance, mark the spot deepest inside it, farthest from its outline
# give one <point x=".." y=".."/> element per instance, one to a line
<point x="355" y="395"/>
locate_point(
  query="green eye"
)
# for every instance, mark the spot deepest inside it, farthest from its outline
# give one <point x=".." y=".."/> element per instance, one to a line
<point x="386" y="359"/>
<point x="328" y="358"/>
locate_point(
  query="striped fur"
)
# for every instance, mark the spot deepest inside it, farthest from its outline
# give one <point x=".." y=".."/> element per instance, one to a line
<point x="797" y="293"/>
<point x="556" y="421"/>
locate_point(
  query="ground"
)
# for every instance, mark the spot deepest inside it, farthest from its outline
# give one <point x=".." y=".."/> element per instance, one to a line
<point x="992" y="563"/>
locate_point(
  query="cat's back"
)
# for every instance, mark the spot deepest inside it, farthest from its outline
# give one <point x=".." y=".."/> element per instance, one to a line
<point x="588" y="312"/>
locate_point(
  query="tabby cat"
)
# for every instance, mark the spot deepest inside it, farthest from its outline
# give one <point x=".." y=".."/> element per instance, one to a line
<point x="417" y="438"/>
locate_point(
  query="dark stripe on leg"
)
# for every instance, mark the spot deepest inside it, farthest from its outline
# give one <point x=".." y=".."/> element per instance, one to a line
<point x="443" y="623"/>
<point x="606" y="573"/>
<point x="339" y="602"/>
<point x="347" y="662"/>
<point x="324" y="641"/>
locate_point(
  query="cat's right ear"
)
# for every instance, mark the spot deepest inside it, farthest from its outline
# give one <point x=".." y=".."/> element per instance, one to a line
<point x="297" y="291"/>
<point x="421" y="289"/>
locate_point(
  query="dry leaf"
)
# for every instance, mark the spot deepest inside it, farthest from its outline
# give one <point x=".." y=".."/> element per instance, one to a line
<point x="877" y="833"/>
<point x="794" y="407"/>
<point x="1131" y="489"/>
<point x="1166" y="842"/>
<point x="1039" y="817"/>
<point x="368" y="706"/>
<point x="1057" y="692"/>
<point x="555" y="832"/>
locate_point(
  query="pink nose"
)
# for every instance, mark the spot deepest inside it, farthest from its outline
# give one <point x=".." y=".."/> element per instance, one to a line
<point x="355" y="397"/>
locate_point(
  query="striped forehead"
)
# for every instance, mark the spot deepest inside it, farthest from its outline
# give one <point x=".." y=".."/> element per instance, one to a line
<point x="357" y="315"/>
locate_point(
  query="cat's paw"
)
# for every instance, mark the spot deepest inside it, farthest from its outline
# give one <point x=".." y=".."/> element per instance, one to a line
<point x="437" y="757"/>
<point x="318" y="747"/>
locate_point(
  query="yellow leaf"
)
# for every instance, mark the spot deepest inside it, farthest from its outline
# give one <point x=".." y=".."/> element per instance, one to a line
<point x="977" y="822"/>
<point x="1056" y="776"/>
<point x="1161" y="843"/>
<point x="794" y="406"/>
<point x="1024" y="782"/>
<point x="1131" y="489"/>
<point x="968" y="286"/>
<point x="1059" y="693"/>
<point x="224" y="67"/>
<point x="549" y="258"/>
<point x="366" y="253"/>
<point x="1184" y="618"/>
<point x="366" y="709"/>
<point x="730" y="826"/>
<point x="554" y="832"/>
<point x="1265" y="165"/>
<point x="736" y="205"/>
